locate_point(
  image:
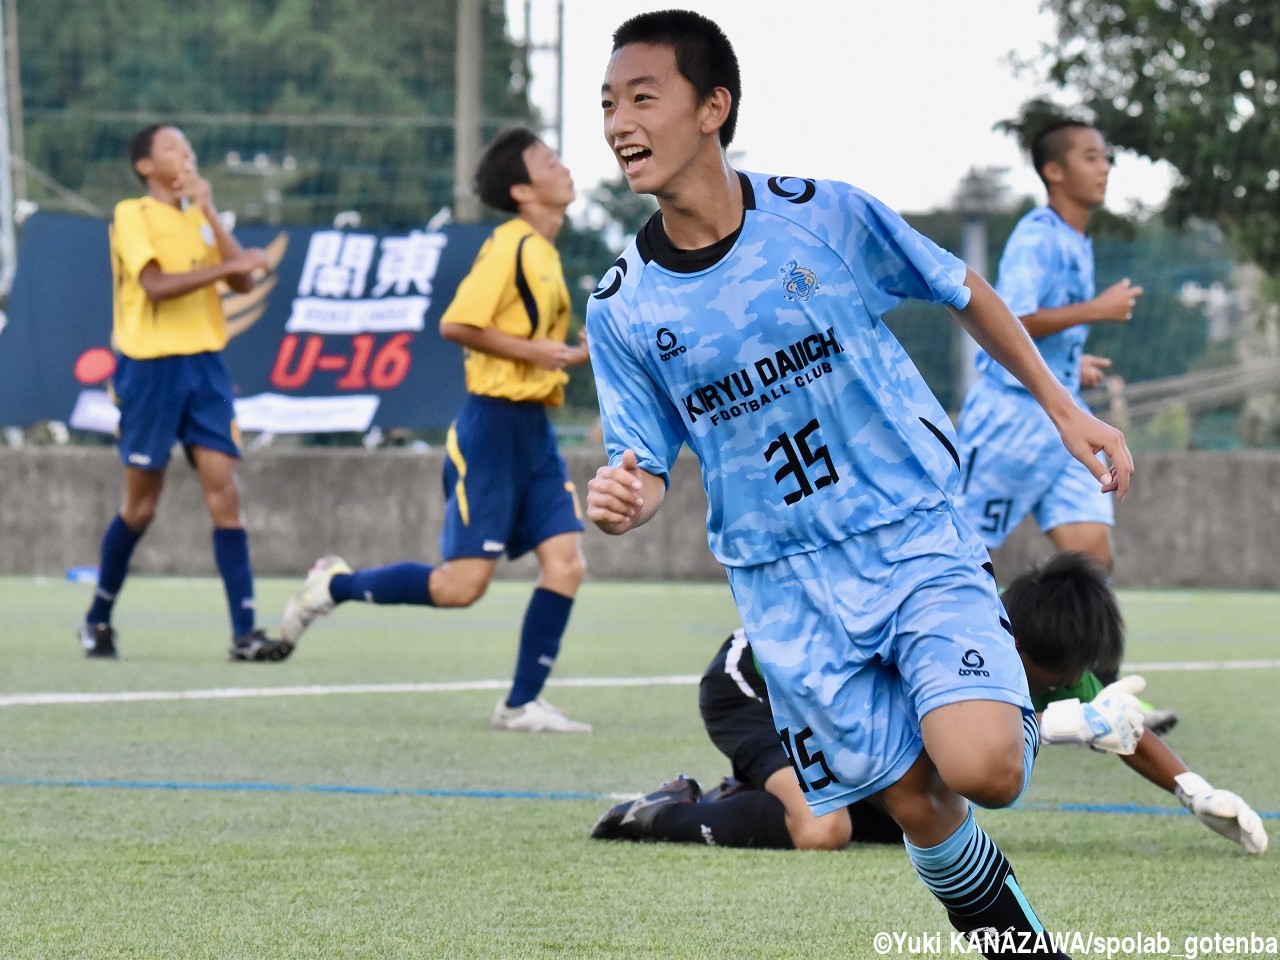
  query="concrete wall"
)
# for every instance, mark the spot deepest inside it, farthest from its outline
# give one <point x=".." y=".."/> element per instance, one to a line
<point x="1192" y="519"/>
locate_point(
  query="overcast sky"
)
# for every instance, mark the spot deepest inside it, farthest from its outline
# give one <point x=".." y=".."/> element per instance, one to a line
<point x="896" y="96"/>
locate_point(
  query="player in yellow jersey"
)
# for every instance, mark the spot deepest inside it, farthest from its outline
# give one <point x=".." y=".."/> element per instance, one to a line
<point x="168" y="250"/>
<point x="507" y="485"/>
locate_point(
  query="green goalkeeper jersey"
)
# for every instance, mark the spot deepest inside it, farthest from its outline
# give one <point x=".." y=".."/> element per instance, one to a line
<point x="1084" y="690"/>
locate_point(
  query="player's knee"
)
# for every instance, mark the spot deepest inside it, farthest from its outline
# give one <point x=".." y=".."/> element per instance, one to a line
<point x="562" y="565"/>
<point x="1104" y="557"/>
<point x="565" y="571"/>
<point x="996" y="781"/>
<point x="459" y="595"/>
<point x="223" y="503"/>
<point x="138" y="514"/>
<point x="830" y="832"/>
<point x="456" y="591"/>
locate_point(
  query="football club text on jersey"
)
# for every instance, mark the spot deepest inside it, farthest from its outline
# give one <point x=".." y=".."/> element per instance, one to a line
<point x="737" y="392"/>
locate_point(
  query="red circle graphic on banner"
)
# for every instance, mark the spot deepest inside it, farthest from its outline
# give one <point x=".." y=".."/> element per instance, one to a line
<point x="95" y="365"/>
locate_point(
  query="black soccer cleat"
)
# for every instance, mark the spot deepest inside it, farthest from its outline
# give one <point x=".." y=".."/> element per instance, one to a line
<point x="98" y="640"/>
<point x="726" y="788"/>
<point x="256" y="646"/>
<point x="633" y="819"/>
<point x="1159" y="721"/>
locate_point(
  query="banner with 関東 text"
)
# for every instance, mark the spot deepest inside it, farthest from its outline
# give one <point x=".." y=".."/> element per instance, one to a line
<point x="340" y="334"/>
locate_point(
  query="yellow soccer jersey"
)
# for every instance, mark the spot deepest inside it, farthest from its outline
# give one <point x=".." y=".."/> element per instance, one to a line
<point x="515" y="286"/>
<point x="144" y="229"/>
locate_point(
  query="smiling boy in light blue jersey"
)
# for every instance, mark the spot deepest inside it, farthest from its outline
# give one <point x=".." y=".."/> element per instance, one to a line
<point x="745" y="322"/>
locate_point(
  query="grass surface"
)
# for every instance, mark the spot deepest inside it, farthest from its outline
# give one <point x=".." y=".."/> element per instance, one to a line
<point x="397" y="825"/>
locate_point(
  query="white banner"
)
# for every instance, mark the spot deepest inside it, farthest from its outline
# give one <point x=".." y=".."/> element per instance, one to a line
<point x="275" y="413"/>
<point x="95" y="411"/>
<point x="265" y="412"/>
<point x="384" y="315"/>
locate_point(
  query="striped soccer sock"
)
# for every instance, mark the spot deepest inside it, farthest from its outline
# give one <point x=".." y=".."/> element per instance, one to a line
<point x="973" y="880"/>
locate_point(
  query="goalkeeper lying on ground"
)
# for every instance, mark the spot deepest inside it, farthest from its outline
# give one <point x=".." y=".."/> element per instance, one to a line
<point x="1065" y="619"/>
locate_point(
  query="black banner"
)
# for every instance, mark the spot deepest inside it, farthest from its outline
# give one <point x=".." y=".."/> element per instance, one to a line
<point x="340" y="334"/>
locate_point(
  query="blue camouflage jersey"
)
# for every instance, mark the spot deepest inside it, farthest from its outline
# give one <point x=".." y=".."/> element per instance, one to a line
<point x="1046" y="263"/>
<point x="766" y="354"/>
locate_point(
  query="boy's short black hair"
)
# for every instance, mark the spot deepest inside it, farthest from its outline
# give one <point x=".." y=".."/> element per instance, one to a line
<point x="1064" y="615"/>
<point x="502" y="166"/>
<point x="140" y="146"/>
<point x="1051" y="144"/>
<point x="704" y="55"/>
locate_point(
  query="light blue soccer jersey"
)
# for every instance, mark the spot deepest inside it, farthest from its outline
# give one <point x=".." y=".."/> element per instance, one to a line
<point x="1046" y="263"/>
<point x="768" y="357"/>
<point x="1014" y="461"/>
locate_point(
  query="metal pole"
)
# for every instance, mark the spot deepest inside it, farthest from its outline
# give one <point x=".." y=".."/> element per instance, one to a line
<point x="468" y="110"/>
<point x="560" y="76"/>
<point x="17" y="142"/>
<point x="8" y="235"/>
<point x="974" y="253"/>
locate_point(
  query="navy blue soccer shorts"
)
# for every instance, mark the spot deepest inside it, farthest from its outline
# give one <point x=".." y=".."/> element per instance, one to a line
<point x="506" y="485"/>
<point x="167" y="400"/>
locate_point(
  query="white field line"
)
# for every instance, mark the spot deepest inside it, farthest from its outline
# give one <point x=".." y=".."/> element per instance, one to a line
<point x="464" y="686"/>
<point x="236" y="693"/>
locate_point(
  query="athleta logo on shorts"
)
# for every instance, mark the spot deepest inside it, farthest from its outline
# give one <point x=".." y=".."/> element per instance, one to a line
<point x="141" y="459"/>
<point x="972" y="665"/>
<point x="668" y="345"/>
<point x="798" y="283"/>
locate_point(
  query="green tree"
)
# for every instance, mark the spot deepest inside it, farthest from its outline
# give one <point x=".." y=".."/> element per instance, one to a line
<point x="358" y="94"/>
<point x="1194" y="83"/>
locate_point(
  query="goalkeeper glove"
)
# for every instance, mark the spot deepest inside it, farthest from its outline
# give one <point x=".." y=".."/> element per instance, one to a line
<point x="1221" y="811"/>
<point x="1111" y="722"/>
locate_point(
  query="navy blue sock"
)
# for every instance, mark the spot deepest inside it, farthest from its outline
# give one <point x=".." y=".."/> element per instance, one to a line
<point x="231" y="554"/>
<point x="398" y="583"/>
<point x="113" y="565"/>
<point x="973" y="880"/>
<point x="544" y="621"/>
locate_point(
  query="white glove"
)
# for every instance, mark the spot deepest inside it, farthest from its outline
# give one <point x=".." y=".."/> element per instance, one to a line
<point x="1111" y="722"/>
<point x="1221" y="811"/>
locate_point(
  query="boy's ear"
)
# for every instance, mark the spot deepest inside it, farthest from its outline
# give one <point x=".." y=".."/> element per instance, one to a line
<point x="145" y="167"/>
<point x="715" y="110"/>
<point x="1052" y="172"/>
<point x="522" y="193"/>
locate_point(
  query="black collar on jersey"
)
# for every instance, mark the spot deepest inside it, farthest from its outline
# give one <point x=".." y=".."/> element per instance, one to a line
<point x="653" y="245"/>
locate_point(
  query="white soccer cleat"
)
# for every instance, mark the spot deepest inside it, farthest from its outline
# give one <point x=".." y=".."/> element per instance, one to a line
<point x="312" y="600"/>
<point x="536" y="716"/>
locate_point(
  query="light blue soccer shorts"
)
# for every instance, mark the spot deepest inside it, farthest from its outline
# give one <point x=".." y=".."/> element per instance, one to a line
<point x="1013" y="463"/>
<point x="860" y="639"/>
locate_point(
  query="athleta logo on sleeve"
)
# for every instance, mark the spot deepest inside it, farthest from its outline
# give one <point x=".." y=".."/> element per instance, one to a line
<point x="973" y="664"/>
<point x="611" y="282"/>
<point x="668" y="345"/>
<point x="804" y="194"/>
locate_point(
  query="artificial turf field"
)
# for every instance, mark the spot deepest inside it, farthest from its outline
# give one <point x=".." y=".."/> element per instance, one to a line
<point x="391" y="822"/>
